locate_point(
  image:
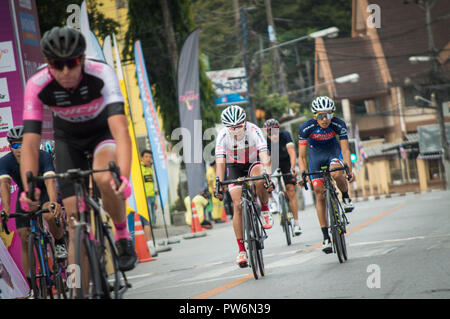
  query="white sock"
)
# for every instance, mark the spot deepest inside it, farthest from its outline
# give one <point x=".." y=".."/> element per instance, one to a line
<point x="295" y="222"/>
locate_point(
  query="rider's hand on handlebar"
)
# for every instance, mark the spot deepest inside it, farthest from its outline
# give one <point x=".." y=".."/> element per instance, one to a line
<point x="27" y="204"/>
<point x="294" y="172"/>
<point x="269" y="187"/>
<point x="351" y="177"/>
<point x="124" y="191"/>
<point x="55" y="209"/>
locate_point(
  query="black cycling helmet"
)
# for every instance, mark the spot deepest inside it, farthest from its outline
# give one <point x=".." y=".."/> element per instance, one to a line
<point x="271" y="124"/>
<point x="63" y="43"/>
<point x="15" y="134"/>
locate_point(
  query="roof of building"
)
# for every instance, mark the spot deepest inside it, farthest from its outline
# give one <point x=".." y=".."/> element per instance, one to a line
<point x="402" y="34"/>
<point x="353" y="55"/>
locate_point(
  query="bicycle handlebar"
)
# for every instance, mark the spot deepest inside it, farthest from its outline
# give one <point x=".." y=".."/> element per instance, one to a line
<point x="72" y="174"/>
<point x="241" y="180"/>
<point x="31" y="215"/>
<point x="324" y="171"/>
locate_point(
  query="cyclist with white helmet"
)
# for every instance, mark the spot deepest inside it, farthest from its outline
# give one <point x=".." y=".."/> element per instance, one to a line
<point x="241" y="151"/>
<point x="318" y="136"/>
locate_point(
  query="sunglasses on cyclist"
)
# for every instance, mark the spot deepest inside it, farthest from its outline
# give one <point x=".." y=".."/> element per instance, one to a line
<point x="321" y="116"/>
<point x="237" y="127"/>
<point x="70" y="63"/>
<point x="16" y="146"/>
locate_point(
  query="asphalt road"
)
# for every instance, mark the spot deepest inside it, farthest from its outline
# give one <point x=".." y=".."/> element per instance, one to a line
<point x="398" y="248"/>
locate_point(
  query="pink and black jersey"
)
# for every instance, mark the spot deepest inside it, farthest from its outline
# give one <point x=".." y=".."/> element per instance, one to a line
<point x="243" y="151"/>
<point x="80" y="112"/>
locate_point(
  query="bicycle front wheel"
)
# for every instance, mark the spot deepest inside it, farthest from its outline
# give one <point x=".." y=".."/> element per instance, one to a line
<point x="259" y="240"/>
<point x="250" y="239"/>
<point x="284" y="217"/>
<point x="89" y="285"/>
<point x="332" y="210"/>
<point x="37" y="267"/>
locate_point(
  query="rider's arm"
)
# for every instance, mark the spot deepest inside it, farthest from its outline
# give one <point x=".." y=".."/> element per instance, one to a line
<point x="5" y="193"/>
<point x="47" y="168"/>
<point x="302" y="156"/>
<point x="220" y="168"/>
<point x="292" y="155"/>
<point x="118" y="126"/>
<point x="265" y="161"/>
<point x="29" y="156"/>
<point x="345" y="149"/>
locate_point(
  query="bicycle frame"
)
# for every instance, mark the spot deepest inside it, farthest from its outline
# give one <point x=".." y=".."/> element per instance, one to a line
<point x="85" y="205"/>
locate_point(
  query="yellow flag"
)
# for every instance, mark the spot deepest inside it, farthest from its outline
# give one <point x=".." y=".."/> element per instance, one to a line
<point x="136" y="175"/>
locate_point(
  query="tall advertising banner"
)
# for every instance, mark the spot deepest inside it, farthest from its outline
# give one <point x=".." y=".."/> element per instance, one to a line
<point x="190" y="118"/>
<point x="138" y="202"/>
<point x="19" y="58"/>
<point x="154" y="132"/>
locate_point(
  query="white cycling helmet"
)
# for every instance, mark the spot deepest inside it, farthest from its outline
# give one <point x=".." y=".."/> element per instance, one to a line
<point x="322" y="104"/>
<point x="233" y="115"/>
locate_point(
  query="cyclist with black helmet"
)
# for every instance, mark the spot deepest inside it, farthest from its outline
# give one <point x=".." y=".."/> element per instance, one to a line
<point x="241" y="151"/>
<point x="280" y="144"/>
<point x="88" y="115"/>
<point x="318" y="136"/>
<point x="10" y="170"/>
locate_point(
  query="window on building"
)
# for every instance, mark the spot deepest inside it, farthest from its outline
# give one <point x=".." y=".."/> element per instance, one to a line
<point x="359" y="107"/>
<point x="435" y="169"/>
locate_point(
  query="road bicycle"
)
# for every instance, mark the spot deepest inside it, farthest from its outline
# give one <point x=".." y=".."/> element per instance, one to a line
<point x="336" y="218"/>
<point x="254" y="232"/>
<point x="285" y="215"/>
<point x="47" y="273"/>
<point x="94" y="244"/>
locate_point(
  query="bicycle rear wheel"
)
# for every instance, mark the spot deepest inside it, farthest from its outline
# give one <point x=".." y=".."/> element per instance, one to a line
<point x="250" y="239"/>
<point x="35" y="258"/>
<point x="285" y="218"/>
<point x="89" y="286"/>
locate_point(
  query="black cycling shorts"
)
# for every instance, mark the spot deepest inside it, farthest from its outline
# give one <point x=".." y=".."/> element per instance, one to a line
<point x="72" y="154"/>
<point x="286" y="169"/>
<point x="234" y="171"/>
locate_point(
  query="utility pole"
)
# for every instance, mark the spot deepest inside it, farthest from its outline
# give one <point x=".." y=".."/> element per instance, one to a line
<point x="244" y="55"/>
<point x="237" y="27"/>
<point x="279" y="68"/>
<point x="436" y="96"/>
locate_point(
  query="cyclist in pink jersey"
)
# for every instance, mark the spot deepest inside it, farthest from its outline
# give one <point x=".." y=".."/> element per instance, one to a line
<point x="88" y="116"/>
<point x="241" y="150"/>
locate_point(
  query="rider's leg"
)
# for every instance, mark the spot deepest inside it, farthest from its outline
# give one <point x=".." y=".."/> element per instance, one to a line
<point x="55" y="230"/>
<point x="114" y="205"/>
<point x="235" y="193"/>
<point x="263" y="196"/>
<point x="293" y="203"/>
<point x="321" y="206"/>
<point x="23" y="235"/>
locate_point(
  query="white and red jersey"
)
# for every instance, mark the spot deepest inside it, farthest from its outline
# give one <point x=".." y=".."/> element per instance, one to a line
<point x="242" y="151"/>
<point x="80" y="112"/>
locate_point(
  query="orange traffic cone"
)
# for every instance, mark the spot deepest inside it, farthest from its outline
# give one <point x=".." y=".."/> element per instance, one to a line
<point x="140" y="244"/>
<point x="195" y="223"/>
<point x="224" y="215"/>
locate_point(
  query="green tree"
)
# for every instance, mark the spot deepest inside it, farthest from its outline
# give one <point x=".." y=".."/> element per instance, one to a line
<point x="147" y="25"/>
<point x="53" y="13"/>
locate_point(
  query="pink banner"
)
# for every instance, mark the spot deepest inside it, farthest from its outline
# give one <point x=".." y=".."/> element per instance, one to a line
<point x="20" y="57"/>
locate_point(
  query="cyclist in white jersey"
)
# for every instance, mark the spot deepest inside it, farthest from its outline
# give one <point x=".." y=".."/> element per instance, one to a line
<point x="241" y="151"/>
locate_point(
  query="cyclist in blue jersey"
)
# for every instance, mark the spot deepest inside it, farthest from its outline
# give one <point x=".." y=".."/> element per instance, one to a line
<point x="10" y="170"/>
<point x="318" y="137"/>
